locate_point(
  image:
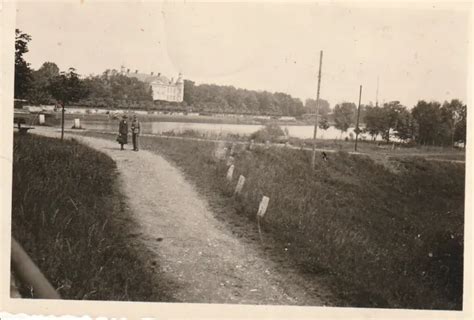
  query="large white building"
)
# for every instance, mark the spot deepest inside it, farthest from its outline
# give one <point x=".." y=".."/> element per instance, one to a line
<point x="168" y="90"/>
<point x="163" y="88"/>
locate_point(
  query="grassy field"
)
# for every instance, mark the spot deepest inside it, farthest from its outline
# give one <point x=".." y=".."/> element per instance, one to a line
<point x="71" y="219"/>
<point x="391" y="238"/>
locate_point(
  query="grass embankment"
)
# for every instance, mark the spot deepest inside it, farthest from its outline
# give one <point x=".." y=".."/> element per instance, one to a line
<point x="375" y="148"/>
<point x="274" y="134"/>
<point x="70" y="218"/>
<point x="384" y="148"/>
<point x="391" y="239"/>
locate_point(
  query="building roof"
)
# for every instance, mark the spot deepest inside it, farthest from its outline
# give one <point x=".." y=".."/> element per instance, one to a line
<point x="148" y="78"/>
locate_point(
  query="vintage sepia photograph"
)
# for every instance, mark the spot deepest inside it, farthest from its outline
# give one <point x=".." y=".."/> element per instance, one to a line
<point x="248" y="153"/>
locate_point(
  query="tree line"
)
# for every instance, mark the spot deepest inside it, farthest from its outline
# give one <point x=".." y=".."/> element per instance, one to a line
<point x="429" y="123"/>
<point x="228" y="99"/>
<point x="115" y="90"/>
<point x="49" y="85"/>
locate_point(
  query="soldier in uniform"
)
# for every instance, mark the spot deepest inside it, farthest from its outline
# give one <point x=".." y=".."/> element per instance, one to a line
<point x="135" y="132"/>
<point x="123" y="132"/>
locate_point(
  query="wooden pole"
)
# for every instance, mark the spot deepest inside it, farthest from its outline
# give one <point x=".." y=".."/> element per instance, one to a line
<point x="62" y="121"/>
<point x="313" y="160"/>
<point x="358" y="115"/>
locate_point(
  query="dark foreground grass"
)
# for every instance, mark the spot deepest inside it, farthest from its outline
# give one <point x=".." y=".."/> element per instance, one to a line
<point x="389" y="238"/>
<point x="70" y="218"/>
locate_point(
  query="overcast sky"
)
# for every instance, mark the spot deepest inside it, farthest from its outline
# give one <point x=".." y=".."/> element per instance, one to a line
<point x="419" y="52"/>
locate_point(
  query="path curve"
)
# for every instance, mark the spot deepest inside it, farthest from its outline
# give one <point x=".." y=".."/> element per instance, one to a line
<point x="193" y="248"/>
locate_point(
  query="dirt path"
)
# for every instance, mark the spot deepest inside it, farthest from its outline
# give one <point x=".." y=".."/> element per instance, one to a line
<point x="196" y="251"/>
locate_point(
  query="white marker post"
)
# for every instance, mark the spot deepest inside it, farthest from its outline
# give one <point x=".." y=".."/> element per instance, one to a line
<point x="77" y="123"/>
<point x="240" y="185"/>
<point x="230" y="173"/>
<point x="262" y="208"/>
<point x="41" y="119"/>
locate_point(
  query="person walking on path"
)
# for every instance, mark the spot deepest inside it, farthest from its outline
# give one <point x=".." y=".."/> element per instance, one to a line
<point x="135" y="132"/>
<point x="123" y="132"/>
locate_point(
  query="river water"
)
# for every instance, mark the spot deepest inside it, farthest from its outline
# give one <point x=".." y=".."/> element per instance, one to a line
<point x="215" y="129"/>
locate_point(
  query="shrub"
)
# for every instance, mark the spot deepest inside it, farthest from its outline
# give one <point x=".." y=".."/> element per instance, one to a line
<point x="270" y="132"/>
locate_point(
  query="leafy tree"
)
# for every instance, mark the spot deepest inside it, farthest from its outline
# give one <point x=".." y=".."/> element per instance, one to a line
<point x="66" y="87"/>
<point x="382" y="120"/>
<point x="112" y="89"/>
<point x="324" y="107"/>
<point x="288" y="105"/>
<point x="22" y="68"/>
<point x="39" y="93"/>
<point x="251" y="101"/>
<point x="214" y="98"/>
<point x="460" y="129"/>
<point x="374" y="121"/>
<point x="344" y="115"/>
<point x="453" y="114"/>
<point x="392" y="112"/>
<point x="404" y="125"/>
<point x="188" y="92"/>
<point x="428" y="119"/>
<point x="266" y="103"/>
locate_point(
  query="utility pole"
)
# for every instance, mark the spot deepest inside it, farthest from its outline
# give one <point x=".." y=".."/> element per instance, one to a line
<point x="358" y="115"/>
<point x="317" y="110"/>
<point x="62" y="121"/>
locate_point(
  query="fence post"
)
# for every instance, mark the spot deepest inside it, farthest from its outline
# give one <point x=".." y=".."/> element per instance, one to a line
<point x="240" y="185"/>
<point x="230" y="173"/>
<point x="262" y="209"/>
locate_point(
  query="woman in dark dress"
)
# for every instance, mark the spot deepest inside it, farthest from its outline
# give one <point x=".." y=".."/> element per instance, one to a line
<point x="123" y="132"/>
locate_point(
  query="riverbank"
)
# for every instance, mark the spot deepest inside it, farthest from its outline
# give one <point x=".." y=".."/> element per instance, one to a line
<point x="378" y="150"/>
<point x="151" y="117"/>
<point x="364" y="224"/>
<point x="69" y="215"/>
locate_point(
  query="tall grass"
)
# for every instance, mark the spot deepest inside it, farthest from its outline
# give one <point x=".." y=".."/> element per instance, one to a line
<point x="70" y="218"/>
<point x="390" y="238"/>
